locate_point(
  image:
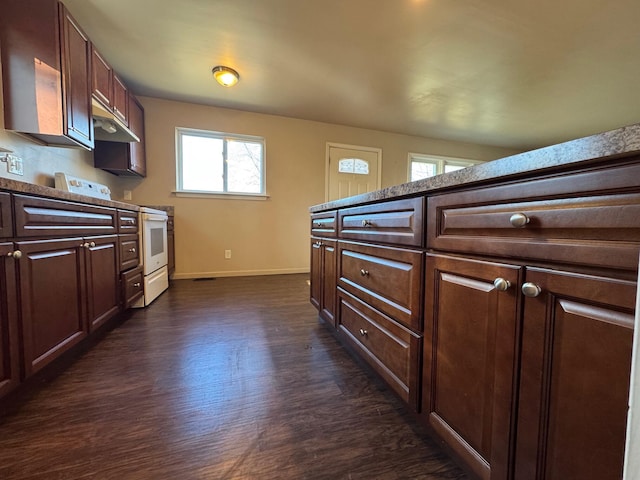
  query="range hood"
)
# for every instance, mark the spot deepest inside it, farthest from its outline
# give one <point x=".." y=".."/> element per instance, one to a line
<point x="106" y="126"/>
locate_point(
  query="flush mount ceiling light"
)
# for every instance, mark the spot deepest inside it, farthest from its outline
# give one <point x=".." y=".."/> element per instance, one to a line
<point x="225" y="76"/>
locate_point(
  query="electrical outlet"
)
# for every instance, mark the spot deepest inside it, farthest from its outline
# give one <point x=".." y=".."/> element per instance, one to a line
<point x="227" y="254"/>
<point x="14" y="164"/>
<point x="127" y="195"/>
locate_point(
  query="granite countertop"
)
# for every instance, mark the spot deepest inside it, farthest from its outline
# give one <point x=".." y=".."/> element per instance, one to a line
<point x="50" y="192"/>
<point x="621" y="142"/>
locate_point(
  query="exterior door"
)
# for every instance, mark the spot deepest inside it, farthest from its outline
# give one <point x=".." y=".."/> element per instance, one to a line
<point x="352" y="170"/>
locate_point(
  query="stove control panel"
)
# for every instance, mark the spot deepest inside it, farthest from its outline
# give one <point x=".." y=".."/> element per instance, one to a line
<point x="68" y="183"/>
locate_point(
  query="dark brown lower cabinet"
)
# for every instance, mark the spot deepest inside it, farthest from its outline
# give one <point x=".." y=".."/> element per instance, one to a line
<point x="526" y="370"/>
<point x="9" y="366"/>
<point x="469" y="359"/>
<point x="68" y="288"/>
<point x="574" y="386"/>
<point x="103" y="269"/>
<point x="52" y="288"/>
<point x="323" y="277"/>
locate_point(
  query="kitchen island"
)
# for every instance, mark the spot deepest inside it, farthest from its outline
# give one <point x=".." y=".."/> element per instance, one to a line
<point x="498" y="302"/>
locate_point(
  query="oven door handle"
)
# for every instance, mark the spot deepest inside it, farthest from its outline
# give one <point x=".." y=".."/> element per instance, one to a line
<point x="150" y="217"/>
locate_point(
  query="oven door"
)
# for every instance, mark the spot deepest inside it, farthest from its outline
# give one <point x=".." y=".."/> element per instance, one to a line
<point x="154" y="242"/>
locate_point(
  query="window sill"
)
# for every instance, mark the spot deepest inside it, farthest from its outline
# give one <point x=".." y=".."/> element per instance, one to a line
<point x="223" y="196"/>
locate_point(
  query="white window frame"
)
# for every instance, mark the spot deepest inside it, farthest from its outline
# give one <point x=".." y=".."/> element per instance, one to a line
<point x="181" y="192"/>
<point x="439" y="161"/>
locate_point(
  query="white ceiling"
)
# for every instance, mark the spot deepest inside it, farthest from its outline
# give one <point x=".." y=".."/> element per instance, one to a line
<point x="514" y="73"/>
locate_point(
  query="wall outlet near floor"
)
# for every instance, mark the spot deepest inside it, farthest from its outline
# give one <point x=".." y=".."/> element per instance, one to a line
<point x="227" y="254"/>
<point x="14" y="164"/>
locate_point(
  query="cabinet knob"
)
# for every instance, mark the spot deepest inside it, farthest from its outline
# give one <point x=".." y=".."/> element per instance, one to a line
<point x="317" y="225"/>
<point x="364" y="273"/>
<point x="519" y="220"/>
<point x="363" y="332"/>
<point x="89" y="244"/>
<point x="366" y="223"/>
<point x="531" y="289"/>
<point x="17" y="254"/>
<point x="501" y="284"/>
<point x="137" y="284"/>
<point x="92" y="244"/>
<point x="132" y="250"/>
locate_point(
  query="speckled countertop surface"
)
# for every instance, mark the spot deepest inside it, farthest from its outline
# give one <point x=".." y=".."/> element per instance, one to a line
<point x="615" y="143"/>
<point x="42" y="191"/>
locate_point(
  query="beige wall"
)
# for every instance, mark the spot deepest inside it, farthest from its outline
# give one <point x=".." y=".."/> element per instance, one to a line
<point x="265" y="237"/>
<point x="269" y="236"/>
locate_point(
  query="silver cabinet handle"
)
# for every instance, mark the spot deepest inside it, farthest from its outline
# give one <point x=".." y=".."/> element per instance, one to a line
<point x="366" y="223"/>
<point x="132" y="250"/>
<point x="531" y="289"/>
<point x="137" y="284"/>
<point x="501" y="284"/>
<point x="89" y="244"/>
<point x="17" y="254"/>
<point x="92" y="244"/>
<point x="364" y="273"/>
<point x="519" y="220"/>
<point x="363" y="332"/>
<point x="317" y="225"/>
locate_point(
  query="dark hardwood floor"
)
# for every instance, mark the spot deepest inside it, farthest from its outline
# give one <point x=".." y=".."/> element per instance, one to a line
<point x="233" y="378"/>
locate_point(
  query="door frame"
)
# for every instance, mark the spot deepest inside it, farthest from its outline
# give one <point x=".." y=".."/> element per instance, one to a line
<point x="376" y="150"/>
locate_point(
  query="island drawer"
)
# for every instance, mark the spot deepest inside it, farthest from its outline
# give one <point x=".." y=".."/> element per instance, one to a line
<point x="398" y="222"/>
<point x="388" y="278"/>
<point x="525" y="221"/>
<point x="323" y="224"/>
<point x="390" y="349"/>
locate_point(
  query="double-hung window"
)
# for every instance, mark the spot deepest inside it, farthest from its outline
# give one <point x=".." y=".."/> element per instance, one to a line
<point x="220" y="163"/>
<point x="423" y="166"/>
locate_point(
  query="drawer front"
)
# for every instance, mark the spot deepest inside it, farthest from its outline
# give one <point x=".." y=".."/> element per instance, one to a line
<point x="400" y="222"/>
<point x="324" y="224"/>
<point x="133" y="284"/>
<point x="127" y="221"/>
<point x="391" y="349"/>
<point x="129" y="252"/>
<point x="6" y="216"/>
<point x="42" y="217"/>
<point x="597" y="230"/>
<point x="390" y="279"/>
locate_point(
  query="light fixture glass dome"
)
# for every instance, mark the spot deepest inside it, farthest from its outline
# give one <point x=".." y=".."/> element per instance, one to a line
<point x="225" y="76"/>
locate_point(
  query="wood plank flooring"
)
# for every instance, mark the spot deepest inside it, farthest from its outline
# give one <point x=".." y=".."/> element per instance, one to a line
<point x="233" y="378"/>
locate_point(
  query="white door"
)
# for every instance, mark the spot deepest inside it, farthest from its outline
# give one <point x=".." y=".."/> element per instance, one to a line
<point x="352" y="170"/>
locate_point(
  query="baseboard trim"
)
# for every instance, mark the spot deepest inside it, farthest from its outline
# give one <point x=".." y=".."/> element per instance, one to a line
<point x="238" y="273"/>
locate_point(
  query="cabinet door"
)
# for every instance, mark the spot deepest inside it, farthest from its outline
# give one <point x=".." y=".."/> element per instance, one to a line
<point x="52" y="292"/>
<point x="9" y="368"/>
<point x="103" y="269"/>
<point x="328" y="304"/>
<point x="120" y="100"/>
<point x="316" y="273"/>
<point x="101" y="78"/>
<point x="469" y="359"/>
<point x="137" y="158"/>
<point x="574" y="388"/>
<point x="76" y="72"/>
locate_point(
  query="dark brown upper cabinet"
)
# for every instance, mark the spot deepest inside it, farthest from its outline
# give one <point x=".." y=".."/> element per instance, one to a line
<point x="46" y="73"/>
